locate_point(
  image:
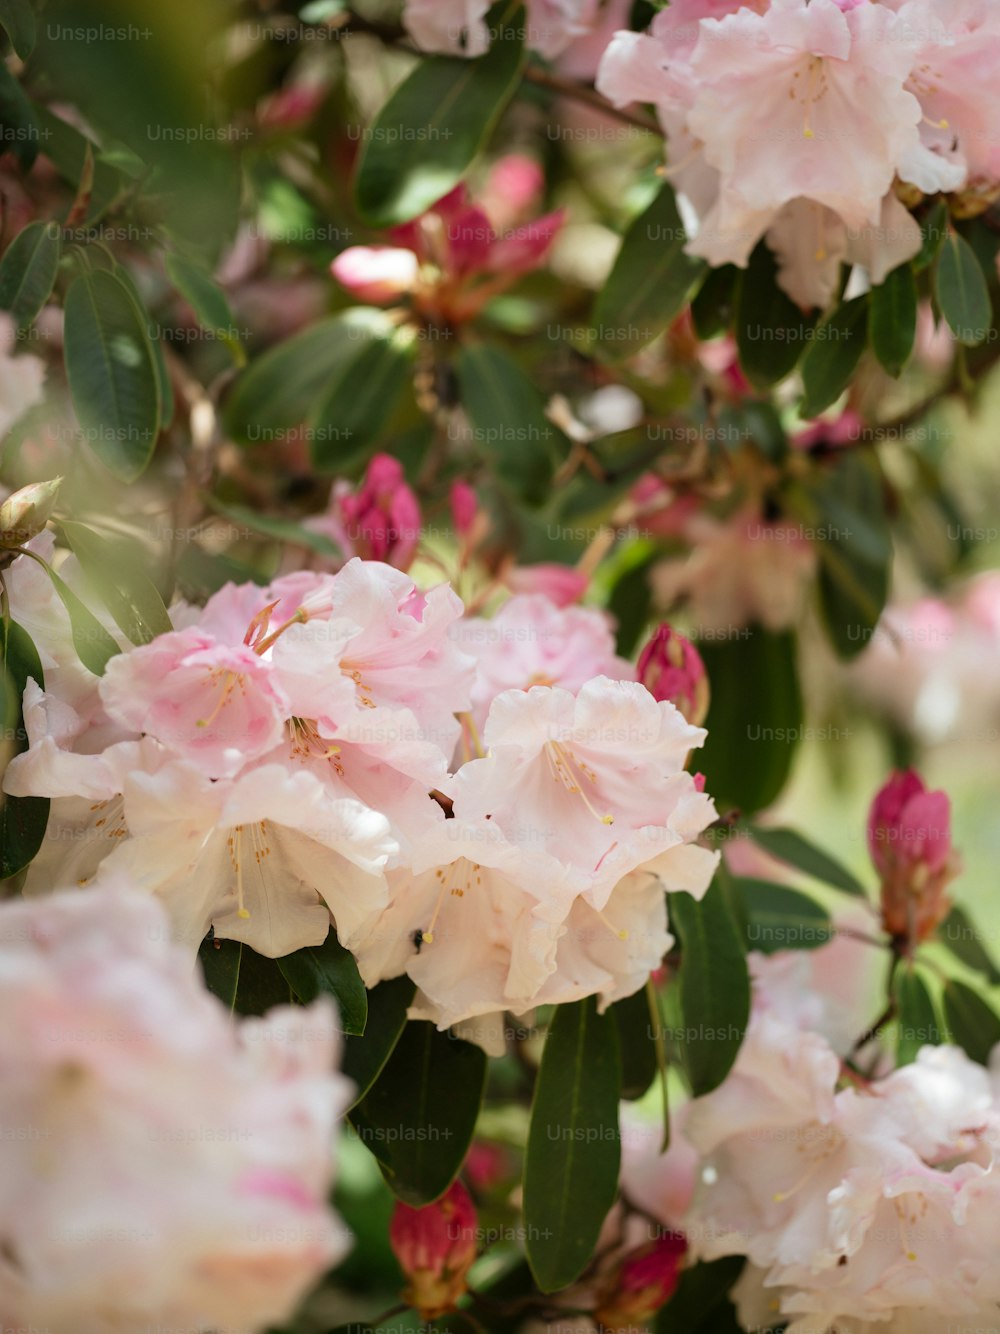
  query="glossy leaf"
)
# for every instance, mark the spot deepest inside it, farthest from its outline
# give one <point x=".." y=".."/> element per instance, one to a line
<point x="651" y="282"/>
<point x="329" y="970"/>
<point x="18" y="20"/>
<point x="961" y="291"/>
<point x="114" y="568"/>
<point x="973" y="1023"/>
<point x="714" y="986"/>
<point x="22" y="819"/>
<point x="365" y="1055"/>
<point x="208" y="301"/>
<point x="18" y="123"/>
<point x="435" y="123"/>
<point x="916" y="1018"/>
<point x="635" y="1043"/>
<point x="832" y="357"/>
<point x="702" y="1290"/>
<point x="771" y="331"/>
<point x="783" y="919"/>
<point x="574" y="1148"/>
<point x="965" y="941"/>
<point x="350" y="418"/>
<point x="28" y="271"/>
<point x="242" y="979"/>
<point x="112" y="378"/>
<point x="788" y="846"/>
<point x="94" y="646"/>
<point x="418" y="1116"/>
<point x="892" y="322"/>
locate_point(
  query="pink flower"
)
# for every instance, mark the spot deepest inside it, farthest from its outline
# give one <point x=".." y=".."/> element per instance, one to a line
<point x="376" y="274"/>
<point x="464" y="507"/>
<point x="163" y="1166"/>
<point x="561" y="584"/>
<point x="457" y="27"/>
<point x="670" y="667"/>
<point x="435" y="1247"/>
<point x="379" y="520"/>
<point x="909" y="837"/>
<point x="643" y="1281"/>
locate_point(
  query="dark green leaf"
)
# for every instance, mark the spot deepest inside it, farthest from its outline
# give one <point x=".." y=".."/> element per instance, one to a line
<point x="208" y="301"/>
<point x="574" y="1146"/>
<point x="18" y="122"/>
<point x="635" y="1043"/>
<point x="365" y="1056"/>
<point x="916" y="1018"/>
<point x="933" y="228"/>
<point x="783" y="919"/>
<point x="790" y="847"/>
<point x="112" y="378"/>
<point x="973" y="1024"/>
<point x="961" y="291"/>
<point x="507" y="416"/>
<point x="329" y="969"/>
<point x="114" y="567"/>
<point x="28" y="271"/>
<point x="703" y="1289"/>
<point x="22" y="819"/>
<point x="280" y="389"/>
<point x="771" y="331"/>
<point x="715" y="304"/>
<point x="833" y="356"/>
<point x="18" y="20"/>
<point x="350" y="418"/>
<point x="892" y="323"/>
<point x="434" y="125"/>
<point x="714" y="986"/>
<point x="242" y="979"/>
<point x="419" y="1115"/>
<point x="163" y="385"/>
<point x="752" y="734"/>
<point x="965" y="941"/>
<point x="651" y="282"/>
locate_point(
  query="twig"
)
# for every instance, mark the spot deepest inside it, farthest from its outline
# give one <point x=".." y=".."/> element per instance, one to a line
<point x="580" y="92"/>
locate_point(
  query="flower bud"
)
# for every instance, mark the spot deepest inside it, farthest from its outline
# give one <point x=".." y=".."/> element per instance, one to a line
<point x="376" y="274"/>
<point x="670" y="667"/>
<point x="641" y="1283"/>
<point x="909" y="838"/>
<point x="382" y="517"/>
<point x="435" y="1247"/>
<point x="24" y="514"/>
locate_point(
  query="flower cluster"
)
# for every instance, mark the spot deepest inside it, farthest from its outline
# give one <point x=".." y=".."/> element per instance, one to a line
<point x="855" y="1201"/>
<point x="491" y="806"/>
<point x="809" y="122"/>
<point x="459" y="27"/>
<point x="161" y="1167"/>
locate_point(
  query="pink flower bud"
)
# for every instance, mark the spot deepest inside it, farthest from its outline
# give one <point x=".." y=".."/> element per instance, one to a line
<point x="381" y="519"/>
<point x="643" y="1281"/>
<point x="516" y="183"/>
<point x="524" y="248"/>
<point x="378" y="273"/>
<point x="435" y="1247"/>
<point x="909" y="838"/>
<point x="670" y="667"/>
<point x="559" y="583"/>
<point x="464" y="507"/>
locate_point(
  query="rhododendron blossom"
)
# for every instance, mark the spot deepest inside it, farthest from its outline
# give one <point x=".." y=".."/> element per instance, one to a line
<point x="169" y="1169"/>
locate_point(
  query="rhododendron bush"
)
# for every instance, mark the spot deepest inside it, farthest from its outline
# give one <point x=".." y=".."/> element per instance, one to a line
<point x="499" y="659"/>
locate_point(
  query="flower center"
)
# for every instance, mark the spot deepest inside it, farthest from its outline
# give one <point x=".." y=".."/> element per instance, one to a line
<point x="259" y="847"/>
<point x="226" y="682"/>
<point x="573" y="774"/>
<point x="461" y="874"/>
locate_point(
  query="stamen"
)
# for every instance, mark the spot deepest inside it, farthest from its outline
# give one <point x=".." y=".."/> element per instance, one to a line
<point x="570" y="772"/>
<point x="231" y="680"/>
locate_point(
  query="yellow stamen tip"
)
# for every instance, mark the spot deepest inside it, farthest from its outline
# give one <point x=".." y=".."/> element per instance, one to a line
<point x="945" y="125"/>
<point x="244" y="913"/>
<point x="607" y="819"/>
<point x="911" y="1255"/>
<point x="820" y="255"/>
<point x="428" y="937"/>
<point x="808" y="134"/>
<point x="779" y="1198"/>
<point x="623" y="935"/>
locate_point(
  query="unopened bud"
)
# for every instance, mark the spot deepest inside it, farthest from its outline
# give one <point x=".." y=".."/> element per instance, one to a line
<point x="671" y="669"/>
<point x="909" y="838"/>
<point x="435" y="1247"/>
<point x="24" y="514"/>
<point x="642" y="1282"/>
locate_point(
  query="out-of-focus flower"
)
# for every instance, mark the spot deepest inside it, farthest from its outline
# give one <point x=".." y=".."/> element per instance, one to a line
<point x="670" y="667"/>
<point x="561" y="584"/>
<point x="162" y="1167"/>
<point x="457" y="27"/>
<point x="464" y="507"/>
<point x="909" y="837"/>
<point x="435" y="1247"/>
<point x="377" y="274"/>
<point x="643" y="1280"/>
<point x="378" y="520"/>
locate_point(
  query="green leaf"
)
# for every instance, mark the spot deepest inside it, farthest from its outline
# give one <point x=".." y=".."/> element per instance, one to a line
<point x="114" y="567"/>
<point x="635" y="1043"/>
<point x="630" y="603"/>
<point x="207" y="300"/>
<point x="164" y="388"/>
<point x="282" y="530"/>
<point x="703" y="1288"/>
<point x="651" y="282"/>
<point x="790" y="847"/>
<point x="28" y="271"/>
<point x="18" y="122"/>
<point x="714" y="986"/>
<point x="419" y="1115"/>
<point x="574" y="1145"/>
<point x="22" y="819"/>
<point x="18" y="20"/>
<point x="112" y="378"/>
<point x="833" y="355"/>
<point x="242" y="979"/>
<point x="934" y="228"/>
<point x="714" y="306"/>
<point x="855" y="550"/>
<point x="752" y="734"/>
<point x="329" y="969"/>
<point x="892" y="322"/>
<point x="435" y="123"/>
<point x="965" y="941"/>
<point x="94" y="646"/>
<point x="350" y="418"/>
<point x="365" y="1056"/>
<point x="916" y="1017"/>
<point x="771" y="331"/>
<point x="783" y="919"/>
<point x="507" y="416"/>
<point x="961" y="291"/>
<point x="280" y="389"/>
<point x="973" y="1024"/>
